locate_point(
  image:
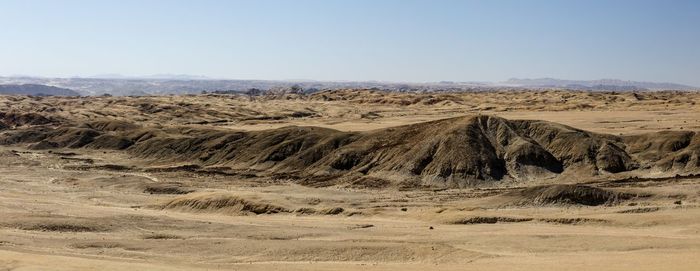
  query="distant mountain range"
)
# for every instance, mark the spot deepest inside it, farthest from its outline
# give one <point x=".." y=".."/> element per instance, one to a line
<point x="151" y="77"/>
<point x="38" y="90"/>
<point x="602" y="84"/>
<point x="186" y="84"/>
<point x="141" y="86"/>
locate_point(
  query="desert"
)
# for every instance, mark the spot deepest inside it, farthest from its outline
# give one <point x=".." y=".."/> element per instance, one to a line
<point x="404" y="135"/>
<point x="352" y="179"/>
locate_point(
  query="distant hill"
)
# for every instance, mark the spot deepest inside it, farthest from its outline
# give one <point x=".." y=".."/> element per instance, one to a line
<point x="185" y="84"/>
<point x="183" y="77"/>
<point x="39" y="90"/>
<point x="602" y="84"/>
<point x="125" y="87"/>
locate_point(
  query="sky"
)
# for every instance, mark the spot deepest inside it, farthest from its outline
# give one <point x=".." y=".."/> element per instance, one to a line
<point x="355" y="40"/>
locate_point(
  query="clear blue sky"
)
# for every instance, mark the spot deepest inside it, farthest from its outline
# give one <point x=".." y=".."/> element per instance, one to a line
<point x="386" y="40"/>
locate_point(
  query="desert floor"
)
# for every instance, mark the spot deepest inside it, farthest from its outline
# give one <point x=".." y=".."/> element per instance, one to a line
<point x="65" y="210"/>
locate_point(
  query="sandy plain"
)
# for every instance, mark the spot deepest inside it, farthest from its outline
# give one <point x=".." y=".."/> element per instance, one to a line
<point x="68" y="209"/>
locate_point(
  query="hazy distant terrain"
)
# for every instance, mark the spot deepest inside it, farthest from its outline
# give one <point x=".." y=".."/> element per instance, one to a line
<point x="147" y="86"/>
<point x="602" y="84"/>
<point x="183" y="84"/>
<point x="34" y="89"/>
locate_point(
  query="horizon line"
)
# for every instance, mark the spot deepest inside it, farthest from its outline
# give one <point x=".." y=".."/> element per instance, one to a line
<point x="207" y="78"/>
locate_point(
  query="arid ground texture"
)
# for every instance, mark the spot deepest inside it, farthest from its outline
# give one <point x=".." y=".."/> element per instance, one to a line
<point x="352" y="179"/>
